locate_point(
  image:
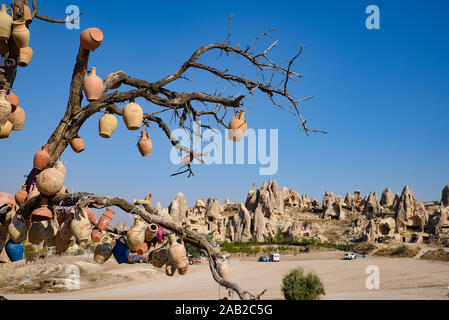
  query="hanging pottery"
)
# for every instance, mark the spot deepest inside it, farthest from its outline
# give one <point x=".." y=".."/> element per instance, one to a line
<point x="61" y="215"/>
<point x="136" y="235"/>
<point x="25" y="56"/>
<point x="143" y="249"/>
<point x="27" y="15"/>
<point x="105" y="219"/>
<point x="5" y="22"/>
<point x="6" y="198"/>
<point x="102" y="252"/>
<point x="37" y="233"/>
<point x="17" y="118"/>
<point x="91" y="216"/>
<point x="145" y="145"/>
<point x="5" y="130"/>
<point x="14" y="251"/>
<point x="13" y="100"/>
<point x="20" y="34"/>
<point x="17" y="229"/>
<point x="183" y="270"/>
<point x="117" y="85"/>
<point x="42" y="213"/>
<point x="120" y="251"/>
<point x="41" y="158"/>
<point x="50" y="181"/>
<point x="224" y="270"/>
<point x="96" y="235"/>
<point x="108" y="124"/>
<point x="64" y="190"/>
<point x="21" y="195"/>
<point x="176" y="252"/>
<point x="93" y="86"/>
<point x="81" y="229"/>
<point x="77" y="145"/>
<point x="91" y="38"/>
<point x="150" y="233"/>
<point x="237" y="127"/>
<point x="133" y="115"/>
<point x="61" y="244"/>
<point x="5" y="108"/>
<point x="159" y="257"/>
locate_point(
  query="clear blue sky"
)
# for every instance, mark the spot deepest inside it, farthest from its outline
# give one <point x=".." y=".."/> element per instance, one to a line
<point x="381" y="94"/>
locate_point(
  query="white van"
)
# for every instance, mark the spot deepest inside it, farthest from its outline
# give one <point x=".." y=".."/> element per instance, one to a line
<point x="275" y="257"/>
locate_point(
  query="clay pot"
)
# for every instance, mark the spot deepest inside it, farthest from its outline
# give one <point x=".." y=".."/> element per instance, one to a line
<point x="159" y="257"/>
<point x="93" y="86"/>
<point x="108" y="124"/>
<point x="77" y="145"/>
<point x="21" y="195"/>
<point x="176" y="253"/>
<point x="17" y="229"/>
<point x="5" y="108"/>
<point x="91" y="216"/>
<point x="136" y="235"/>
<point x="145" y="145"/>
<point x="224" y="270"/>
<point x="61" y="244"/>
<point x="37" y="233"/>
<point x="25" y="56"/>
<point x="5" y="22"/>
<point x="6" y="198"/>
<point x="41" y="158"/>
<point x="102" y="252"/>
<point x="133" y="116"/>
<point x="50" y="181"/>
<point x="17" y="118"/>
<point x="5" y="130"/>
<point x="115" y="86"/>
<point x="96" y="236"/>
<point x="42" y="213"/>
<point x="13" y="100"/>
<point x="27" y="15"/>
<point x="64" y="190"/>
<point x="237" y="127"/>
<point x="4" y="47"/>
<point x="61" y="215"/>
<point x="91" y="39"/>
<point x="81" y="229"/>
<point x="143" y="249"/>
<point x="105" y="219"/>
<point x="183" y="270"/>
<point x="20" y="34"/>
<point x="150" y="233"/>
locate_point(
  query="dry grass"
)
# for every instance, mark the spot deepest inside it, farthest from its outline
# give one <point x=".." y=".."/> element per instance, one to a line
<point x="363" y="247"/>
<point x="436" y="255"/>
<point x="398" y="252"/>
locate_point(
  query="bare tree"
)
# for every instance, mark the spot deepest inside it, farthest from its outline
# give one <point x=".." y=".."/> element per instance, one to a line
<point x="184" y="107"/>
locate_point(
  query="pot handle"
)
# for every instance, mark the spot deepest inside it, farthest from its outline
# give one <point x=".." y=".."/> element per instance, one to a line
<point x="235" y="112"/>
<point x="12" y="12"/>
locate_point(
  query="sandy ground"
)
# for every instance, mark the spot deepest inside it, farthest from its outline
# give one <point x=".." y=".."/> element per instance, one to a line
<point x="400" y="278"/>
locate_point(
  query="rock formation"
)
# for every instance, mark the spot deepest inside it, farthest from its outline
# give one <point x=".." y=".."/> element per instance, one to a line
<point x="387" y="198"/>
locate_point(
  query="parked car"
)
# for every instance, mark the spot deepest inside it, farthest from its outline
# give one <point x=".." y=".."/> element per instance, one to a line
<point x="263" y="259"/>
<point x="275" y="257"/>
<point x="350" y="256"/>
<point x="193" y="260"/>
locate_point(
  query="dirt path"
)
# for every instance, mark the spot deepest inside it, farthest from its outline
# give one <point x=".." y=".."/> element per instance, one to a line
<point x="400" y="278"/>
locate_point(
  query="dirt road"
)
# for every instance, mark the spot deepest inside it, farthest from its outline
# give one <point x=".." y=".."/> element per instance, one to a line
<point x="400" y="278"/>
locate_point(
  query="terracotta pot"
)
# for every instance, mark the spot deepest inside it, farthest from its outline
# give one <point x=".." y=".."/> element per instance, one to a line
<point x="145" y="145"/>
<point x="41" y="158"/>
<point x="77" y="145"/>
<point x="108" y="124"/>
<point x="91" y="39"/>
<point x="105" y="219"/>
<point x="91" y="216"/>
<point x="143" y="249"/>
<point x="61" y="215"/>
<point x="102" y="252"/>
<point x="5" y="130"/>
<point x="136" y="235"/>
<point x="50" y="181"/>
<point x="183" y="270"/>
<point x="21" y="195"/>
<point x="117" y="85"/>
<point x="133" y="116"/>
<point x="13" y="100"/>
<point x="42" y="213"/>
<point x="5" y="22"/>
<point x="17" y="118"/>
<point x="37" y="233"/>
<point x="4" y="47"/>
<point x="93" y="86"/>
<point x="176" y="252"/>
<point x="96" y="236"/>
<point x="237" y="127"/>
<point x="159" y="257"/>
<point x="5" y="108"/>
<point x="150" y="232"/>
<point x="17" y="229"/>
<point x="25" y="56"/>
<point x="61" y="244"/>
<point x="27" y="15"/>
<point x="224" y="270"/>
<point x="20" y="34"/>
<point x="6" y="198"/>
<point x="81" y="229"/>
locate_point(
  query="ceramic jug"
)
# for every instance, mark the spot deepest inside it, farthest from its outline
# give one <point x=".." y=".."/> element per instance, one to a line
<point x="5" y="130"/>
<point x="25" y="56"/>
<point x="81" y="229"/>
<point x="159" y="257"/>
<point x="150" y="233"/>
<point x="65" y="228"/>
<point x="13" y="100"/>
<point x="20" y="34"/>
<point x="43" y="213"/>
<point x="133" y="115"/>
<point x="41" y="158"/>
<point x="115" y="86"/>
<point x="237" y="127"/>
<point x="136" y="235"/>
<point x="17" y="229"/>
<point x="5" y="22"/>
<point x="102" y="253"/>
<point x="5" y="108"/>
<point x="50" y="181"/>
<point x="224" y="269"/>
<point x="108" y="124"/>
<point x="145" y="145"/>
<point x="37" y="233"/>
<point x="143" y="249"/>
<point x="183" y="270"/>
<point x="91" y="216"/>
<point x="77" y="145"/>
<point x="96" y="235"/>
<point x="17" y="118"/>
<point x="93" y="86"/>
<point x="91" y="39"/>
<point x="105" y="219"/>
<point x="176" y="252"/>
<point x="21" y="195"/>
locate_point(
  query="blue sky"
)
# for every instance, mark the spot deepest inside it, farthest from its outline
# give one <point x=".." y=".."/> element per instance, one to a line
<point x="381" y="95"/>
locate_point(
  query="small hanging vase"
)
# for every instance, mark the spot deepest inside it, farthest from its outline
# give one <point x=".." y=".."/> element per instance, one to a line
<point x="41" y="158"/>
<point x="145" y="145"/>
<point x="25" y="56"/>
<point x="17" y="118"/>
<point x="5" y="130"/>
<point x="42" y="213"/>
<point x="105" y="219"/>
<point x="176" y="253"/>
<point x="136" y="235"/>
<point x="77" y="145"/>
<point x="50" y="181"/>
<point x="91" y="39"/>
<point x="133" y="115"/>
<point x="21" y="195"/>
<point x="237" y="126"/>
<point x="93" y="86"/>
<point x="81" y="229"/>
<point x="108" y="124"/>
<point x="20" y="34"/>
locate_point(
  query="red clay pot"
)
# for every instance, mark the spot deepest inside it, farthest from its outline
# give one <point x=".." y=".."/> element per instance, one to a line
<point x="42" y="213"/>
<point x="78" y="145"/>
<point x="21" y="195"/>
<point x="61" y="214"/>
<point x="13" y="100"/>
<point x="91" y="39"/>
<point x="91" y="216"/>
<point x="145" y="145"/>
<point x="143" y="249"/>
<point x="41" y="158"/>
<point x="96" y="235"/>
<point x="93" y="86"/>
<point x="6" y="198"/>
<point x="106" y="219"/>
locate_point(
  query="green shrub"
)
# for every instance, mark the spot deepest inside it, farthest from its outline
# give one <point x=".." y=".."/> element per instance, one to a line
<point x="297" y="286"/>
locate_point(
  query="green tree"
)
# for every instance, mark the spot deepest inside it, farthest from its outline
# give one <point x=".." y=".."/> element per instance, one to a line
<point x="297" y="286"/>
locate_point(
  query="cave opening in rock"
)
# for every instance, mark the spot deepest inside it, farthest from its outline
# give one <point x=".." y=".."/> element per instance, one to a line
<point x="384" y="229"/>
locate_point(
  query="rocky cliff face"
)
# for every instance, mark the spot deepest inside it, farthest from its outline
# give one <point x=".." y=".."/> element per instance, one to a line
<point x="270" y="210"/>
